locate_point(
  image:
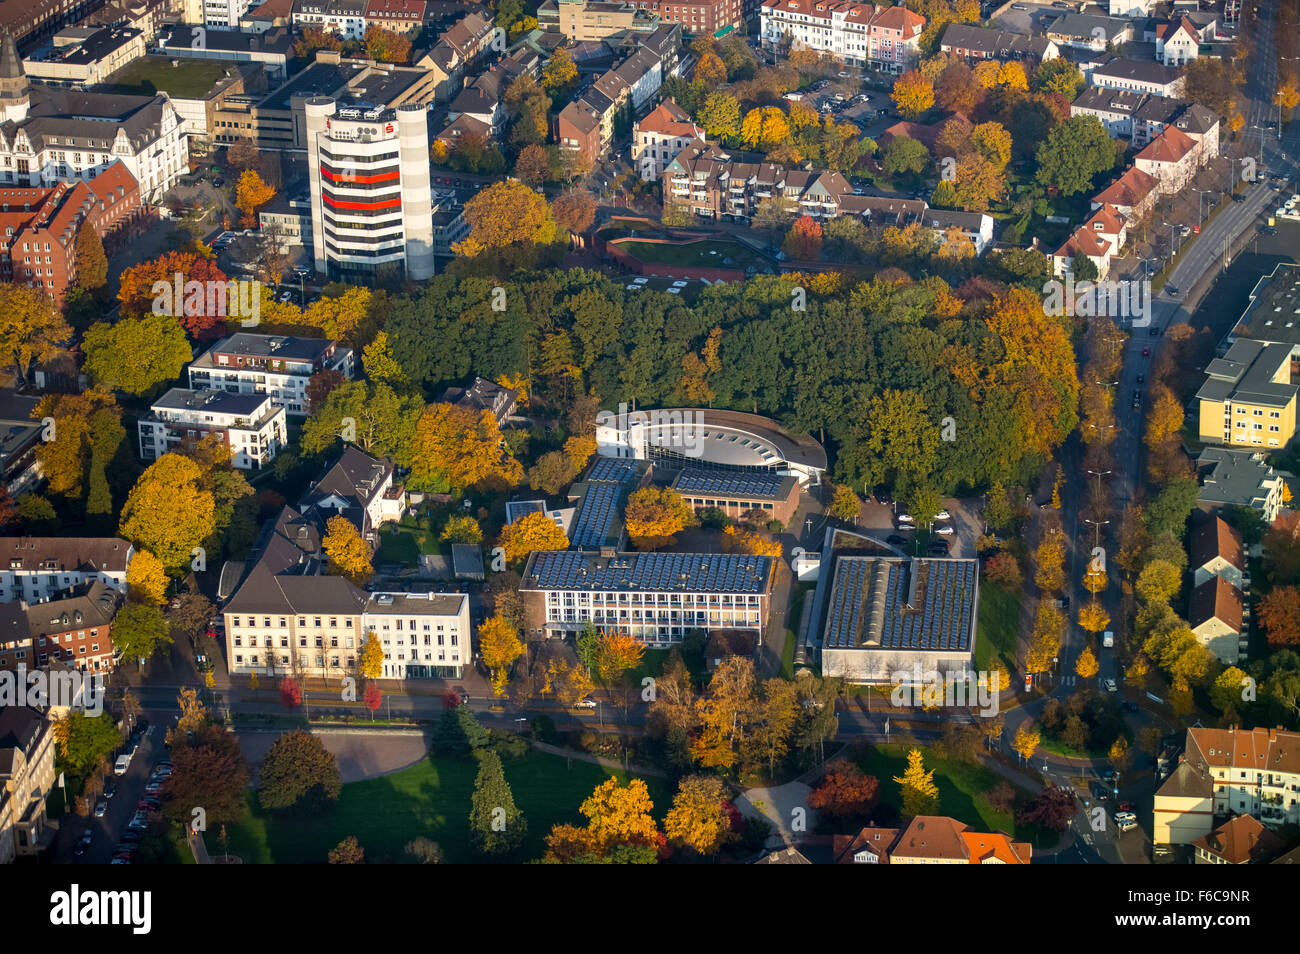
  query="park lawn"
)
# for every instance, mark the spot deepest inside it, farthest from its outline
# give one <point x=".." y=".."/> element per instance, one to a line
<point x="406" y="544"/>
<point x="998" y="627"/>
<point x="431" y="798"/>
<point x="702" y="254"/>
<point x="961" y="791"/>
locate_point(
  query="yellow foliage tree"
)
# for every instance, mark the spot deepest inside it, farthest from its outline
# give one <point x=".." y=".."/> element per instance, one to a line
<point x="349" y="554"/>
<point x="747" y="541"/>
<point x="168" y="512"/>
<point x="504" y="214"/>
<point x="920" y="794"/>
<point x="619" y="815"/>
<point x="146" y="579"/>
<point x="579" y="450"/>
<point x="913" y="94"/>
<point x="1093" y="617"/>
<point x="1085" y="667"/>
<point x="764" y="127"/>
<point x="462" y="447"/>
<point x="616" y="653"/>
<point x="655" y="515"/>
<point x="532" y="531"/>
<point x="1026" y="740"/>
<point x="372" y="656"/>
<point x="499" y="645"/>
<point x="1287" y="96"/>
<point x="697" y="819"/>
<point x="1050" y="561"/>
<point x="1095" y="579"/>
<point x="251" y="194"/>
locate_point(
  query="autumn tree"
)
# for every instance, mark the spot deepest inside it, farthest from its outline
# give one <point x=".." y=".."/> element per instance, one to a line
<point x="91" y="261"/>
<point x="749" y="541"/>
<point x="251" y="195"/>
<point x="1279" y="614"/>
<point x="146" y="579"/>
<point x="616" y="653"/>
<point x="168" y="512"/>
<point x="298" y="774"/>
<point x="31" y="330"/>
<point x="764" y="127"/>
<point x="1085" y="666"/>
<point x="208" y="770"/>
<point x="533" y="165"/>
<point x="386" y="46"/>
<point x="804" y="240"/>
<point x="1094" y="618"/>
<point x="845" y="504"/>
<point x="844" y="792"/>
<point x="1049" y="560"/>
<point x="136" y="355"/>
<point x="560" y="74"/>
<point x="720" y="115"/>
<point x="697" y="819"/>
<point x="529" y="532"/>
<point x="464" y="448"/>
<point x="655" y="515"/>
<point x="574" y="210"/>
<point x="506" y="214"/>
<point x="348" y="552"/>
<point x="619" y="815"/>
<point x="1026" y="740"/>
<point x="913" y="94"/>
<point x="920" y="793"/>
<point x="499" y="646"/>
<point x="461" y="529"/>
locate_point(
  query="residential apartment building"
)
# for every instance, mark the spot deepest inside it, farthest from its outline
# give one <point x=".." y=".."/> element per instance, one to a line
<point x="1248" y="398"/>
<point x="224" y="14"/>
<point x="424" y="635"/>
<point x="1113" y="108"/>
<point x="1215" y="550"/>
<point x="1216" y="614"/>
<point x="923" y="612"/>
<point x="20" y="471"/>
<point x="1133" y="195"/>
<point x="35" y="19"/>
<point x="399" y="16"/>
<point x="73" y="630"/>
<point x="27" y="779"/>
<point x="856" y="34"/>
<point x="291" y="218"/>
<point x="1178" y="43"/>
<point x="656" y="597"/>
<point x="40" y="226"/>
<point x="930" y="840"/>
<point x="278" y="366"/>
<point x="1130" y="8"/>
<point x="83" y="56"/>
<point x="1226" y="772"/>
<point x="344" y="18"/>
<point x="41" y="568"/>
<point x="1237" y="478"/>
<point x="50" y="135"/>
<point x="972" y="44"/>
<point x="249" y="424"/>
<point x="1142" y="76"/>
<point x="1100" y="239"/>
<point x="457" y="51"/>
<point x="484" y="395"/>
<point x="1172" y="157"/>
<point x="660" y="136"/>
<point x="1086" y="31"/>
<point x="697" y="17"/>
<point x="583" y="20"/>
<point x="371" y="208"/>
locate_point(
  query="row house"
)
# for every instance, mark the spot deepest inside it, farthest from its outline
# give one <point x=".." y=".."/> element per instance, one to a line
<point x="1140" y="76"/>
<point x="399" y="16"/>
<point x="1172" y="157"/>
<point x="1100" y="239"/>
<point x="660" y="136"/>
<point x="1133" y="194"/>
<point x="856" y="34"/>
<point x="73" y="630"/>
<point x="250" y="425"/>
<point x="930" y="840"/>
<point x="1219" y="610"/>
<point x="1226" y="772"/>
<point x="457" y="51"/>
<point x="697" y="17"/>
<point x="37" y="569"/>
<point x="27" y="778"/>
<point x="344" y="18"/>
<point x="973" y="44"/>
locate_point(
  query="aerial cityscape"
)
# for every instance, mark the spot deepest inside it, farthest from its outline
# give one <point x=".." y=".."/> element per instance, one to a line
<point x="649" y="432"/>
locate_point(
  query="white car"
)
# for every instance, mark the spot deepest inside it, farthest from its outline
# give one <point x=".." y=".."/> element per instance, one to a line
<point x="905" y="518"/>
<point x="674" y="291"/>
<point x="640" y="281"/>
<point x="585" y="704"/>
<point x="635" y="287"/>
<point x="1110" y="686"/>
<point x="943" y="515"/>
<point x="944" y="531"/>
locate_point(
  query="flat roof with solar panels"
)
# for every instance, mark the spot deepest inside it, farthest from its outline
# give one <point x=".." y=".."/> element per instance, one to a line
<point x="648" y="572"/>
<point x="601" y="497"/>
<point x="614" y="470"/>
<point x="885" y="613"/>
<point x="751" y="485"/>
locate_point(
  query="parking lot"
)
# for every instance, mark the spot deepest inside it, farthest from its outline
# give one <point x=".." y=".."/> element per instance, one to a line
<point x="881" y="520"/>
<point x="107" y="831"/>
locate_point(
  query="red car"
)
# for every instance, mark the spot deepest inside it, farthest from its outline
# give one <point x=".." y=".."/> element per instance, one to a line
<point x="1126" y="807"/>
<point x="1146" y="352"/>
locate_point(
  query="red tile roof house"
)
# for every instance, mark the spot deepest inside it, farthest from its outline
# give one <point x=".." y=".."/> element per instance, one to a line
<point x="1178" y="44"/>
<point x="1215" y="617"/>
<point x="660" y="136"/>
<point x="895" y="38"/>
<point x="930" y="840"/>
<point x="1133" y="194"/>
<point x="1082" y="242"/>
<point x="1172" y="158"/>
<point x="1215" y="549"/>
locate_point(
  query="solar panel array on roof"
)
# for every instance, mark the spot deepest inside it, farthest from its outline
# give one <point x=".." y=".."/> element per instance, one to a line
<point x="696" y="572"/>
<point x="735" y="483"/>
<point x="592" y="526"/>
<point x="612" y="470"/>
<point x="941" y="623"/>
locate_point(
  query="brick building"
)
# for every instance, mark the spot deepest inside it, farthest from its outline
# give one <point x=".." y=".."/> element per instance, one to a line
<point x="38" y="227"/>
<point x="74" y="631"/>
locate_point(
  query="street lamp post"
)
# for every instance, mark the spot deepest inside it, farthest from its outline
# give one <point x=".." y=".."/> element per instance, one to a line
<point x="1099" y="474"/>
<point x="1200" y="211"/>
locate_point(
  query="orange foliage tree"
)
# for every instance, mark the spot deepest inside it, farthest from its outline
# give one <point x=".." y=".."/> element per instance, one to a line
<point x="655" y="515"/>
<point x="913" y="94"/>
<point x="532" y="531"/>
<point x="202" y="314"/>
<point x="454" y="444"/>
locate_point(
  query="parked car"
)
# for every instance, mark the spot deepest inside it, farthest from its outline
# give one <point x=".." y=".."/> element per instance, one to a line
<point x="1109" y="774"/>
<point x="133" y="835"/>
<point x="905" y="518"/>
<point x="1141" y="379"/>
<point x="896" y="540"/>
<point x="1153" y="331"/>
<point x="123" y="763"/>
<point x="937" y="551"/>
<point x="585" y="704"/>
<point x="1173" y="292"/>
<point x="1131" y="706"/>
<point x="101" y="807"/>
<point x="84" y="842"/>
<point x="110" y="789"/>
<point x="945" y="531"/>
<point x="1110" y="686"/>
<point x="1146" y="352"/>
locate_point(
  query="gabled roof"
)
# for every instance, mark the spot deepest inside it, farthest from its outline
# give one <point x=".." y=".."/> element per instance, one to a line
<point x="669" y="119"/>
<point x="1083" y="241"/>
<point x="1215" y="599"/>
<point x="1172" y="145"/>
<point x="1213" y="538"/>
<point x="64" y="554"/>
<point x="1138" y="71"/>
<point x="876" y="840"/>
<point x="1129" y="189"/>
<point x="1241" y="840"/>
<point x="1181" y="25"/>
<point x="355" y="476"/>
<point x="1263" y="750"/>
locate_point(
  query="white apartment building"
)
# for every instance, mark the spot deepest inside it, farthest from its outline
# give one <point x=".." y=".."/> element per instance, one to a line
<point x="371" y="206"/>
<point x="659" y="137"/>
<point x="37" y="569"/>
<point x="424" y="635"/>
<point x="27" y="778"/>
<point x="857" y="34"/>
<point x="656" y="597"/>
<point x="224" y="14"/>
<point x="249" y="424"/>
<point x="347" y="18"/>
<point x="280" y="366"/>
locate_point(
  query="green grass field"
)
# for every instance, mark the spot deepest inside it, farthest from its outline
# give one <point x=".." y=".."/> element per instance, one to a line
<point x="962" y="789"/>
<point x="431" y="799"/>
<point x="190" y="79"/>
<point x="704" y="254"/>
<point x="406" y="545"/>
<point x="998" y="627"/>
